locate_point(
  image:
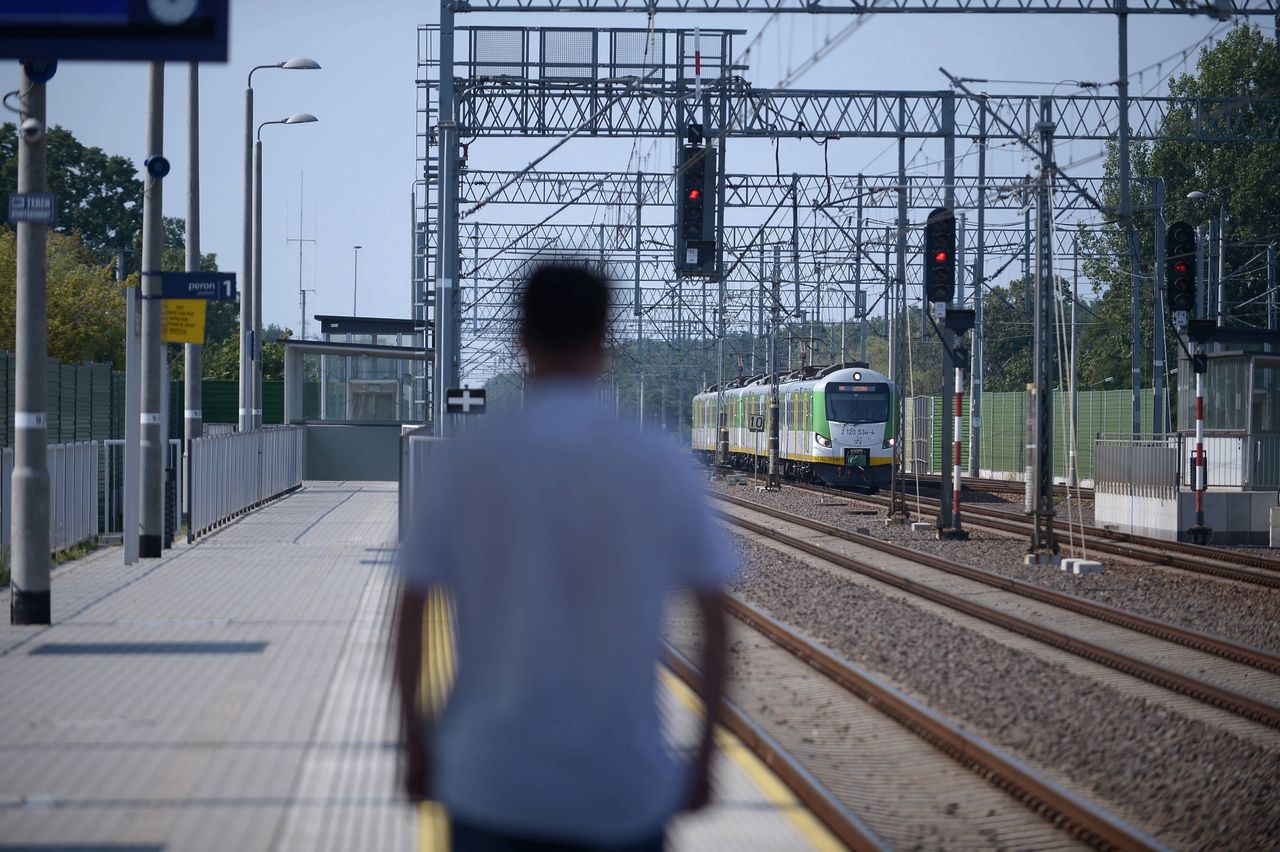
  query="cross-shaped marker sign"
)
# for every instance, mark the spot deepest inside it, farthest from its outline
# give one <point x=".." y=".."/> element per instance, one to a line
<point x="464" y="400"/>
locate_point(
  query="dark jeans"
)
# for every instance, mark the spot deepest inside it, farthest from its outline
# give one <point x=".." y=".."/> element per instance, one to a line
<point x="472" y="838"/>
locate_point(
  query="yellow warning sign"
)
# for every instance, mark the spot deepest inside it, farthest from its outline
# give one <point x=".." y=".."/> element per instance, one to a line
<point x="182" y="320"/>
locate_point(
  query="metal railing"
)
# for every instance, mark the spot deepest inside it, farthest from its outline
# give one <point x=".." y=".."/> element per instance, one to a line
<point x="112" y="484"/>
<point x="416" y="446"/>
<point x="1147" y="466"/>
<point x="231" y="474"/>
<point x="73" y="495"/>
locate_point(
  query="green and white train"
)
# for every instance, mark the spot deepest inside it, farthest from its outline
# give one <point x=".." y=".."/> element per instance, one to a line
<point x="835" y="424"/>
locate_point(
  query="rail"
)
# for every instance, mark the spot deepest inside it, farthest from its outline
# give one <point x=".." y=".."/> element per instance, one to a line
<point x="73" y="495"/>
<point x="231" y="474"/>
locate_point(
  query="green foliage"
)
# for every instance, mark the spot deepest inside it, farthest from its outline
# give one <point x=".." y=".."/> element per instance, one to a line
<point x="99" y="195"/>
<point x="1244" y="176"/>
<point x="86" y="318"/>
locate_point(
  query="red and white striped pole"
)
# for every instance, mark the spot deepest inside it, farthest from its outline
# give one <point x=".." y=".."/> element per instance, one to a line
<point x="697" y="64"/>
<point x="955" y="468"/>
<point x="1200" y="467"/>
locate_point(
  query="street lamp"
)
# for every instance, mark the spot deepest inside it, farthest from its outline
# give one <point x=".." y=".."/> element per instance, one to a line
<point x="355" y="279"/>
<point x="1108" y="380"/>
<point x="255" y="418"/>
<point x="298" y="63"/>
<point x="1197" y="195"/>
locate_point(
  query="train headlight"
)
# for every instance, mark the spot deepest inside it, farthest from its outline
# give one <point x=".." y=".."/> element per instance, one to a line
<point x="888" y="443"/>
<point x="823" y="441"/>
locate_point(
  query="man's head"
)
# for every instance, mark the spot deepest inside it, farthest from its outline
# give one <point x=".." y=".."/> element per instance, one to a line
<point x="564" y="313"/>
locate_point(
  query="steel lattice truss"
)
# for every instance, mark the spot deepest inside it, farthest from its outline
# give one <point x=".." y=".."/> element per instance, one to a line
<point x="879" y="7"/>
<point x="503" y="108"/>
<point x="839" y="193"/>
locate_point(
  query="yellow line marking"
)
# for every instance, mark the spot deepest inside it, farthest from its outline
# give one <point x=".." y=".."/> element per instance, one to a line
<point x="435" y="682"/>
<point x="773" y="790"/>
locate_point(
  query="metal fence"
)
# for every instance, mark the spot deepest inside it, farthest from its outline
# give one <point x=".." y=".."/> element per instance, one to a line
<point x="112" y="485"/>
<point x="416" y="446"/>
<point x="231" y="474"/>
<point x="1144" y="467"/>
<point x="1003" y="451"/>
<point x="73" y="495"/>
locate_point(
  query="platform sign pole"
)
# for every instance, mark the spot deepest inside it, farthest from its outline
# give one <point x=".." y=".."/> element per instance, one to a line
<point x="193" y="419"/>
<point x="30" y="601"/>
<point x="151" y="522"/>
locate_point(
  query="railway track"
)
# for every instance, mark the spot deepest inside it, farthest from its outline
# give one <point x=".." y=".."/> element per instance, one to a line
<point x="893" y="730"/>
<point x="1216" y="562"/>
<point x="1234" y="678"/>
<point x="994" y="486"/>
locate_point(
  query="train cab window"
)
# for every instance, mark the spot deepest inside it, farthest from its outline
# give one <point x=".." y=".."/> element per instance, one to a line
<point x="858" y="403"/>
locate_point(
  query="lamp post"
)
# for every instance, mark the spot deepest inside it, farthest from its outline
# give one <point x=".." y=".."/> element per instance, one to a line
<point x="1221" y="292"/>
<point x="247" y="343"/>
<point x="355" y="278"/>
<point x="255" y="356"/>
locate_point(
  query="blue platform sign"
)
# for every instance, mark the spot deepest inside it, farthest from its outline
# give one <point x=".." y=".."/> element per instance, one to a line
<point x="38" y="208"/>
<point x="126" y="30"/>
<point x="198" y="285"/>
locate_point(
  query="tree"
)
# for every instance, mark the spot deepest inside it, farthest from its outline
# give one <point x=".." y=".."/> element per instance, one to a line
<point x="85" y="303"/>
<point x="1243" y="175"/>
<point x="99" y="195"/>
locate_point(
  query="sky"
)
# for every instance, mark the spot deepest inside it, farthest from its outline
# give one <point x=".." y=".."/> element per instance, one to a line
<point x="355" y="167"/>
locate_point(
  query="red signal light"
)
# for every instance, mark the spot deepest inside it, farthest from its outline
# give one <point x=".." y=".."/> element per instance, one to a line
<point x="1180" y="266"/>
<point x="940" y="257"/>
<point x="695" y="194"/>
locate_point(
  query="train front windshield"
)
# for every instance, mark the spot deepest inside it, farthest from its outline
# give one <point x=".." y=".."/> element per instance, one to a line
<point x="858" y="403"/>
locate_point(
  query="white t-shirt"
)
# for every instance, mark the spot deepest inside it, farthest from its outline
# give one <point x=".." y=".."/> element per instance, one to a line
<point x="560" y="530"/>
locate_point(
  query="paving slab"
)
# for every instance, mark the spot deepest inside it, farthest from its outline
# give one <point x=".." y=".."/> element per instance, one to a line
<point x="234" y="694"/>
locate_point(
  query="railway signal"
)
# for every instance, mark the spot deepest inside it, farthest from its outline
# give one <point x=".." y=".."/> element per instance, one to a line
<point x="940" y="255"/>
<point x="696" y="210"/>
<point x="1180" y="279"/>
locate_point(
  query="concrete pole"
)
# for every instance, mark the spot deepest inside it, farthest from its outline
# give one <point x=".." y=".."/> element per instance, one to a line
<point x="976" y="356"/>
<point x="1222" y="264"/>
<point x="638" y="299"/>
<point x="976" y="361"/>
<point x="1201" y="278"/>
<point x="1073" y="461"/>
<point x="193" y="418"/>
<point x="447" y="338"/>
<point x="30" y="601"/>
<point x="1271" y="288"/>
<point x="245" y="419"/>
<point x="1158" y="346"/>
<point x="150" y="538"/>
<point x="946" y="517"/>
<point x="899" y="370"/>
<point x="859" y="314"/>
<point x="255" y="418"/>
<point x="1044" y="541"/>
<point x="1126" y="223"/>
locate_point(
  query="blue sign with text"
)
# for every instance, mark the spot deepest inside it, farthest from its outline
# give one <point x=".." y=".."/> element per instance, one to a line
<point x="128" y="30"/>
<point x="198" y="285"/>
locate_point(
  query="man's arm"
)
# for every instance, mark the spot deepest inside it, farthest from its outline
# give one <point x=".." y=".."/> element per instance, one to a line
<point x="711" y="609"/>
<point x="409" y="640"/>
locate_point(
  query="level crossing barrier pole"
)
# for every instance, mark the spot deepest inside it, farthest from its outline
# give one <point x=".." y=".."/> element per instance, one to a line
<point x="955" y="467"/>
<point x="1199" y="533"/>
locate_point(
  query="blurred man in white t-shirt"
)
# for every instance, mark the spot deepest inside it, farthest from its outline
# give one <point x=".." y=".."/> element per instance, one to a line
<point x="559" y="531"/>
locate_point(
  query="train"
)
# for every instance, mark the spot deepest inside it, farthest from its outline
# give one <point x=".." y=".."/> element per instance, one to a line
<point x="836" y="424"/>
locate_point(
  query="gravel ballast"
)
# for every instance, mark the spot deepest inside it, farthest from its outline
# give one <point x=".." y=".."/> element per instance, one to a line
<point x="1188" y="783"/>
<point x="1236" y="611"/>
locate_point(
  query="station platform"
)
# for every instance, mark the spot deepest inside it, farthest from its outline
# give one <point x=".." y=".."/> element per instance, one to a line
<point x="234" y="695"/>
